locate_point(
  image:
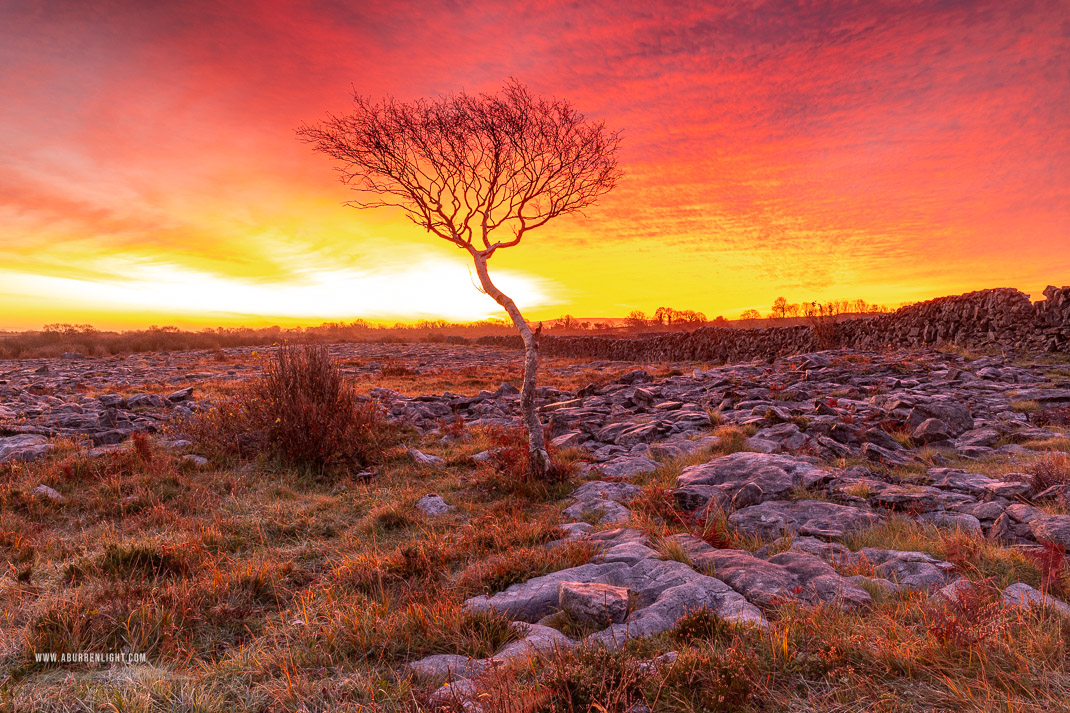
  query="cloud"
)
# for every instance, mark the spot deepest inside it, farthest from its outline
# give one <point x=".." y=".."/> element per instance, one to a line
<point x="841" y="148"/>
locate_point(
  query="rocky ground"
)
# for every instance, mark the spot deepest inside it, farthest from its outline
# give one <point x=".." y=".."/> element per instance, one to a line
<point x="103" y="401"/>
<point x="829" y="431"/>
<point x="739" y="489"/>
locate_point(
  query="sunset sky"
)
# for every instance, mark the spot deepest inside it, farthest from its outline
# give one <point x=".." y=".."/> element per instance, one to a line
<point x="890" y="151"/>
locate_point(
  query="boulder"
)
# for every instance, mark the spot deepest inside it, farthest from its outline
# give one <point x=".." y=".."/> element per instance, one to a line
<point x="954" y="415"/>
<point x="1024" y="596"/>
<point x="433" y="504"/>
<point x="931" y="430"/>
<point x="593" y="603"/>
<point x="1051" y="528"/>
<point x="46" y="493"/>
<point x="424" y="459"/>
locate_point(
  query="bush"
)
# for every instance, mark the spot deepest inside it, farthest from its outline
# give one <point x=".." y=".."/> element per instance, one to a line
<point x="1056" y="416"/>
<point x="717" y="681"/>
<point x="592" y="678"/>
<point x="510" y="457"/>
<point x="701" y="624"/>
<point x="1053" y="468"/>
<point x="971" y="616"/>
<point x="301" y="412"/>
<point x="823" y="321"/>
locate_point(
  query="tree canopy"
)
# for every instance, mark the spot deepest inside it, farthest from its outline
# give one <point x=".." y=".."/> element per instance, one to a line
<point x="465" y="166"/>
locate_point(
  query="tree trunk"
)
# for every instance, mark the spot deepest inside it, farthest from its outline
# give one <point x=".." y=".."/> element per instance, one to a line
<point x="539" y="459"/>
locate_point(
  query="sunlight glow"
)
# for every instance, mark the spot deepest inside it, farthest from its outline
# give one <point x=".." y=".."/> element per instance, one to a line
<point x="427" y="289"/>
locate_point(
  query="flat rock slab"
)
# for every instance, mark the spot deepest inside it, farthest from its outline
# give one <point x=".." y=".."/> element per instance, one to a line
<point x="649" y="578"/>
<point x="788" y="576"/>
<point x="23" y="448"/>
<point x="959" y="480"/>
<point x="607" y="490"/>
<point x="953" y="521"/>
<point x="605" y="511"/>
<point x="629" y="552"/>
<point x="446" y="666"/>
<point x="722" y="477"/>
<point x="913" y="570"/>
<point x="701" y="592"/>
<point x="919" y="498"/>
<point x="814" y="518"/>
<point x="627" y="467"/>
<point x="537" y="639"/>
<point x="532" y="600"/>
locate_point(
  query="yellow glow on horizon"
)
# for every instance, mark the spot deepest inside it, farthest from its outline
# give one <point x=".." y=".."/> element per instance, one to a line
<point x="428" y="288"/>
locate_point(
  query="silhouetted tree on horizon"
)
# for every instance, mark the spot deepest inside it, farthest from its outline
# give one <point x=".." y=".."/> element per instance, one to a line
<point x="464" y="166"/>
<point x="780" y="307"/>
<point x="636" y="318"/>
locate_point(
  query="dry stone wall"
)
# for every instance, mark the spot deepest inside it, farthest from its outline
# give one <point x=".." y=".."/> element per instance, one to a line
<point x="1003" y="318"/>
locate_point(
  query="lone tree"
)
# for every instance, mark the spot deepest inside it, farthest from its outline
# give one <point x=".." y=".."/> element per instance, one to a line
<point x="467" y="166"/>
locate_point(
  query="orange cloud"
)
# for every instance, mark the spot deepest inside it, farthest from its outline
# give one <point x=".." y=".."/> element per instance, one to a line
<point x="888" y="150"/>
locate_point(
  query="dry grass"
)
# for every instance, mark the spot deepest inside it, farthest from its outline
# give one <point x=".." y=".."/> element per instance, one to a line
<point x="1020" y="406"/>
<point x="255" y="586"/>
<point x="904" y="654"/>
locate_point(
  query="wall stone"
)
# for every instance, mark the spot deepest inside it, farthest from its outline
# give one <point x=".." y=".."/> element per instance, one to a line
<point x="1002" y="318"/>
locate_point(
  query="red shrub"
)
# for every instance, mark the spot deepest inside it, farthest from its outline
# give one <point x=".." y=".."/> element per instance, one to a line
<point x="301" y="412"/>
<point x="1052" y="563"/>
<point x="972" y="616"/>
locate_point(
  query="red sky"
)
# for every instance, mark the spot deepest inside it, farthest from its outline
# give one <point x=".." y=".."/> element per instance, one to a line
<point x="891" y="151"/>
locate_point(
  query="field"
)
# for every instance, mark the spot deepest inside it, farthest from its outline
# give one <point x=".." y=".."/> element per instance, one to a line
<point x="841" y="531"/>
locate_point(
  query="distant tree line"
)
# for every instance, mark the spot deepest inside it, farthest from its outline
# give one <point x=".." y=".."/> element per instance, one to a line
<point x="56" y="339"/>
<point x="783" y="308"/>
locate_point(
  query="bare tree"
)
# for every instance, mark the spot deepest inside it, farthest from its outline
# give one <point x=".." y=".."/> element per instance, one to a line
<point x="464" y="166"/>
<point x="664" y="315"/>
<point x="636" y="318"/>
<point x="566" y="323"/>
<point x="780" y="307"/>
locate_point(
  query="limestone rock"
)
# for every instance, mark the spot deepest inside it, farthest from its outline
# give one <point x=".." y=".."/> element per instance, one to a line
<point x="593" y="603"/>
<point x="432" y="504"/>
<point x="804" y="517"/>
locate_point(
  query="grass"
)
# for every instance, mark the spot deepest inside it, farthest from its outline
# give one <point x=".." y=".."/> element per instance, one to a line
<point x="903" y="654"/>
<point x="974" y="557"/>
<point x="1021" y="406"/>
<point x="258" y="585"/>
